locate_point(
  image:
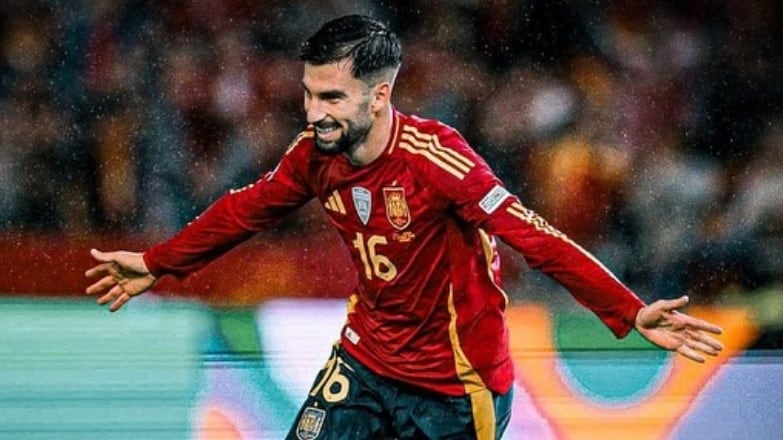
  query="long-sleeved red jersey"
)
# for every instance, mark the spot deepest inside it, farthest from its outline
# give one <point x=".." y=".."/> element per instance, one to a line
<point x="428" y="307"/>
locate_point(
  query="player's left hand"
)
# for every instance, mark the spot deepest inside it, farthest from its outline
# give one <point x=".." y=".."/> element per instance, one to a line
<point x="664" y="326"/>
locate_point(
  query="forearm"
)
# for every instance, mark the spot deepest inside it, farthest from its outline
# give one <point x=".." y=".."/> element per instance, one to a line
<point x="206" y="238"/>
<point x="552" y="252"/>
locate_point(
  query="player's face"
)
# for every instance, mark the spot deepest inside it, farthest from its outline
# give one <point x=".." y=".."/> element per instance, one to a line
<point x="337" y="104"/>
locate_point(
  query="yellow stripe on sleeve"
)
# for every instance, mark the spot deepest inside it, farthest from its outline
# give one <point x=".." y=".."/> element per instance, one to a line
<point x="459" y="174"/>
<point x="528" y="216"/>
<point x="437" y="146"/>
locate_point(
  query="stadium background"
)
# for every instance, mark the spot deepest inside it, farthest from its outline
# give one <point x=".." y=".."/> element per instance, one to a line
<point x="650" y="132"/>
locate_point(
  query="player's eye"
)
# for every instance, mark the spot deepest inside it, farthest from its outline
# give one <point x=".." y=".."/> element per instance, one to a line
<point x="332" y="97"/>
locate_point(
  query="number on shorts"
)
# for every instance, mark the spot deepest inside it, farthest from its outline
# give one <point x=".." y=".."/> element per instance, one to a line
<point x="331" y="378"/>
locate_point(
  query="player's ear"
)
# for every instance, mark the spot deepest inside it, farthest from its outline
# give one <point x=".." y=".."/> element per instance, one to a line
<point x="381" y="96"/>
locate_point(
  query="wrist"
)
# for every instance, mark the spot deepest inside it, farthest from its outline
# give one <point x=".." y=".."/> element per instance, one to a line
<point x="637" y="322"/>
<point x="148" y="266"/>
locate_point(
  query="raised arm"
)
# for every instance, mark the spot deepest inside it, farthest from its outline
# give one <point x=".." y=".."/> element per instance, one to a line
<point x="232" y="219"/>
<point x="482" y="200"/>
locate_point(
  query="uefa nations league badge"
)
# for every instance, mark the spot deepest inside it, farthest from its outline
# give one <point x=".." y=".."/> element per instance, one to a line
<point x="362" y="200"/>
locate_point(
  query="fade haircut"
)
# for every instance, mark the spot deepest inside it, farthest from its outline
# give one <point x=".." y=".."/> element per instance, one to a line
<point x="373" y="49"/>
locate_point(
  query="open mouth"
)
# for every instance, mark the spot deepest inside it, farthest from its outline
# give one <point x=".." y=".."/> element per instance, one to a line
<point x="326" y="131"/>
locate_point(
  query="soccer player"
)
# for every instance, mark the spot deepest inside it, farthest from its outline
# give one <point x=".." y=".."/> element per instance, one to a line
<point x="424" y="352"/>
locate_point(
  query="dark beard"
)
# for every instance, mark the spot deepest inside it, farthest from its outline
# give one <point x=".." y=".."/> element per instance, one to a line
<point x="354" y="135"/>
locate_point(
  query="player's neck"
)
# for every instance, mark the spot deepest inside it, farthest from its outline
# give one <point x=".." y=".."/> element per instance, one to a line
<point x="376" y="141"/>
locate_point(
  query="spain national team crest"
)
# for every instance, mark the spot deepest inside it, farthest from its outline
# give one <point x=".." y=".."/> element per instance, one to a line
<point x="397" y="211"/>
<point x="310" y="423"/>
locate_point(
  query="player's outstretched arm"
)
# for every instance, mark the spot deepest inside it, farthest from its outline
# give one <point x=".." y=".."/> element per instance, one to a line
<point x="121" y="275"/>
<point x="664" y="326"/>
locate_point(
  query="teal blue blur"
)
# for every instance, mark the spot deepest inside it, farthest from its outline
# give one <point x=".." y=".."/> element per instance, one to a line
<point x="71" y="370"/>
<point x="602" y="368"/>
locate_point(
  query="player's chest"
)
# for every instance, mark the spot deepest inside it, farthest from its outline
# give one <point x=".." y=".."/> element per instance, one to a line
<point x="389" y="200"/>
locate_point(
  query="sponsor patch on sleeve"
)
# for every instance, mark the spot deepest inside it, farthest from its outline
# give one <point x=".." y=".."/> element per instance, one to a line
<point x="494" y="198"/>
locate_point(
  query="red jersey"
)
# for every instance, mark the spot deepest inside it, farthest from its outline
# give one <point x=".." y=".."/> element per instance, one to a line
<point x="419" y="221"/>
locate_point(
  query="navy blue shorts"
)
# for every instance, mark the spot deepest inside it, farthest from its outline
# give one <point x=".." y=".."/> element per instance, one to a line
<point x="350" y="402"/>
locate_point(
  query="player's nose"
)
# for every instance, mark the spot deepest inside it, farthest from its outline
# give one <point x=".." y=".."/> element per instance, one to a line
<point x="315" y="110"/>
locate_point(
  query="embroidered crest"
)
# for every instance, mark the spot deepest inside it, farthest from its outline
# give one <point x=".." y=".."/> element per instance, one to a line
<point x="362" y="200"/>
<point x="310" y="423"/>
<point x="397" y="211"/>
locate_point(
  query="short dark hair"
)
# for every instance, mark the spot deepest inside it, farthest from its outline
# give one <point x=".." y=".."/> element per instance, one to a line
<point x="368" y="43"/>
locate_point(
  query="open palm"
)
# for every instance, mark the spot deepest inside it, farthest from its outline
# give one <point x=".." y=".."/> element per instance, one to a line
<point x="123" y="275"/>
<point x="664" y="326"/>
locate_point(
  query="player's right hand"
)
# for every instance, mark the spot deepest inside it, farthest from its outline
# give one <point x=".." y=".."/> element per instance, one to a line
<point x="122" y="275"/>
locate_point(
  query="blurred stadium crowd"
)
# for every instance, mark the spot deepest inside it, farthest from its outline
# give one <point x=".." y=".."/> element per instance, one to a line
<point x="649" y="131"/>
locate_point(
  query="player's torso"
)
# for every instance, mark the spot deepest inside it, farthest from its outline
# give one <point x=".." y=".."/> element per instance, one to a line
<point x="394" y="226"/>
<point x="423" y="272"/>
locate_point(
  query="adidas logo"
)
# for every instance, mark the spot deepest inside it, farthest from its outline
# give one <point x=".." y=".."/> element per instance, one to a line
<point x="335" y="203"/>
